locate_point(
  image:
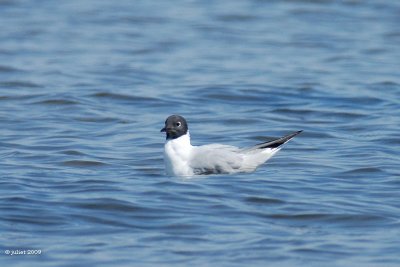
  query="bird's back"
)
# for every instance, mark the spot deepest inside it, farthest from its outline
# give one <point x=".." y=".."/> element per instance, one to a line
<point x="216" y="158"/>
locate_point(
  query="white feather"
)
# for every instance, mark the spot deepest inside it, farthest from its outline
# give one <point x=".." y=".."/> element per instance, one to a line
<point x="177" y="155"/>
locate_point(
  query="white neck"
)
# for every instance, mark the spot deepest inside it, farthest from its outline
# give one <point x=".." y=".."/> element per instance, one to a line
<point x="177" y="153"/>
<point x="184" y="139"/>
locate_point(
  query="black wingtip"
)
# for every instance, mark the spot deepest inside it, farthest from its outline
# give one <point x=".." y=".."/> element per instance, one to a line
<point x="278" y="142"/>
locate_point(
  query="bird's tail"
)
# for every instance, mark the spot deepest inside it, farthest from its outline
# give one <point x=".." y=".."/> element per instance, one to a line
<point x="258" y="154"/>
<point x="276" y="142"/>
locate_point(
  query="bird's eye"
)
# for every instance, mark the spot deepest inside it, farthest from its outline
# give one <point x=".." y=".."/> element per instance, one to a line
<point x="178" y="124"/>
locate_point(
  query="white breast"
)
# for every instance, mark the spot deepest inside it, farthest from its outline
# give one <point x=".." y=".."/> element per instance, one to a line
<point x="177" y="154"/>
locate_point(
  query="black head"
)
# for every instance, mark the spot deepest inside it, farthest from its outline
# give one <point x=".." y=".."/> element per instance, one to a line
<point x="175" y="126"/>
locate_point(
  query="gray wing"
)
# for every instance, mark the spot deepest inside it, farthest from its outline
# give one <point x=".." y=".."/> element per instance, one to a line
<point x="216" y="159"/>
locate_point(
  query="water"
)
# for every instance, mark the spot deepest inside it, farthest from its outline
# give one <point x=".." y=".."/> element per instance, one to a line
<point x="85" y="87"/>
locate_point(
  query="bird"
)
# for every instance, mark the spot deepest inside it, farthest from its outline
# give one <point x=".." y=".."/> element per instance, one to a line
<point x="181" y="158"/>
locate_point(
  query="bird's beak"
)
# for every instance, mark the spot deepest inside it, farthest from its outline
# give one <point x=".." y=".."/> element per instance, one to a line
<point x="163" y="130"/>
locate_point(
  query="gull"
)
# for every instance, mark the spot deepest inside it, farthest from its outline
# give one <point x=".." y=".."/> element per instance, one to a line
<point x="183" y="159"/>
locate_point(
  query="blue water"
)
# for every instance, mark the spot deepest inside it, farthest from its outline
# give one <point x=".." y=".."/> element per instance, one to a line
<point x="85" y="87"/>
